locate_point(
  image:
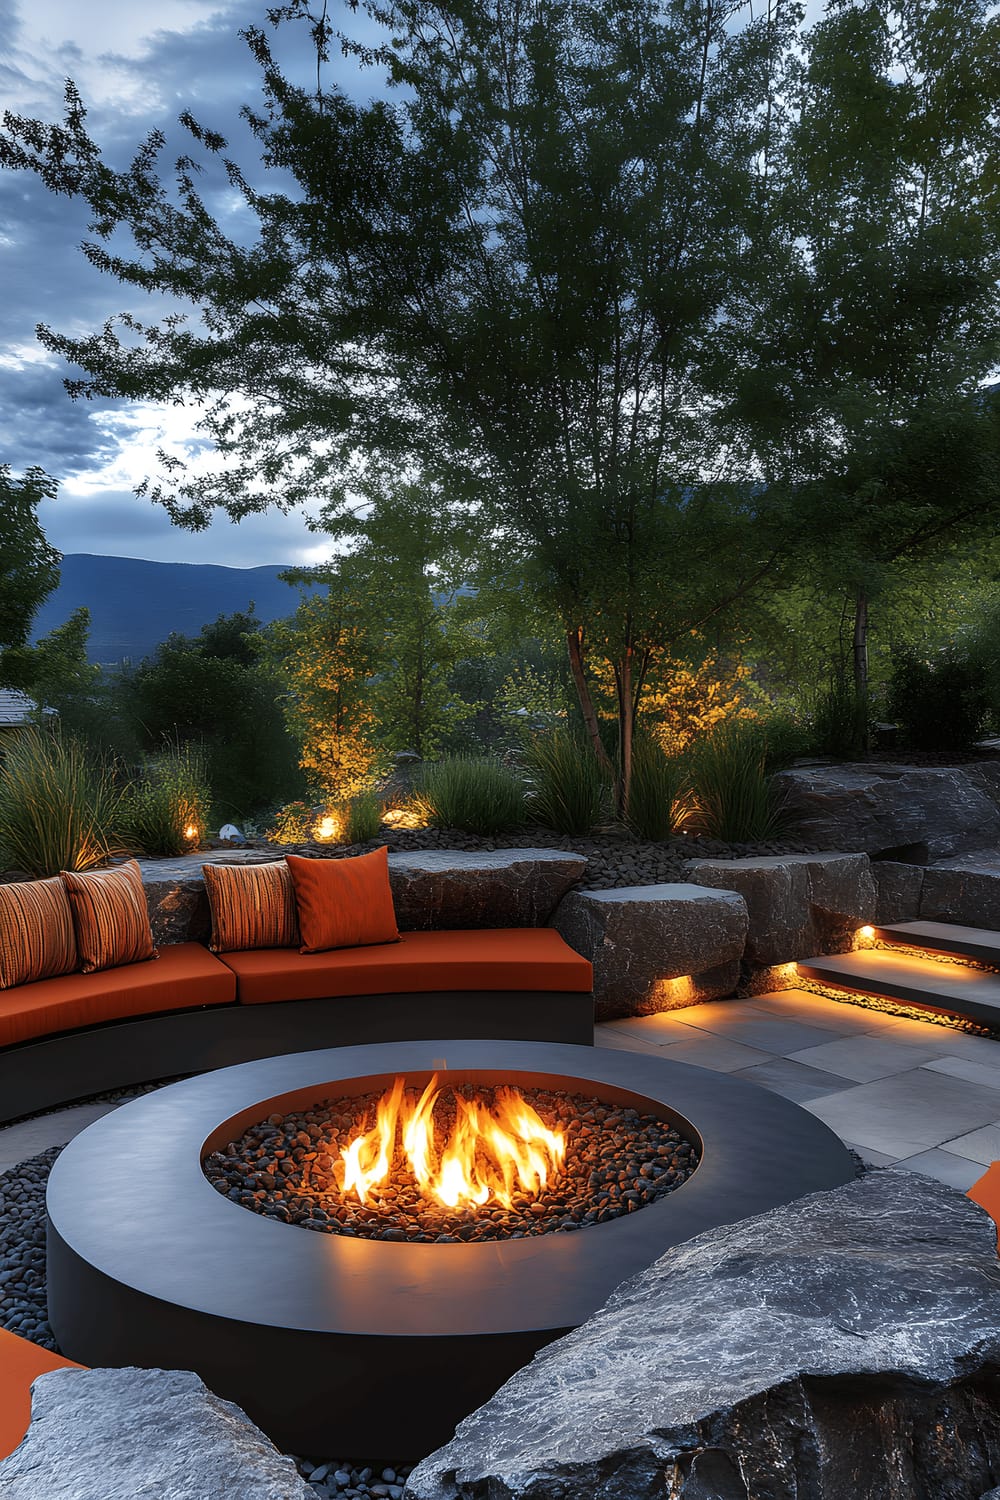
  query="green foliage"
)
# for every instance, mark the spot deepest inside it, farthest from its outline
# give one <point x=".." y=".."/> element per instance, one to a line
<point x="840" y="720"/>
<point x="58" y="809"/>
<point x="659" y="796"/>
<point x="786" y="737"/>
<point x="569" y="788"/>
<point x="572" y="208"/>
<point x="29" y="567"/>
<point x="734" y="800"/>
<point x="474" y="796"/>
<point x="361" y="818"/>
<point x="57" y="674"/>
<point x="326" y="655"/>
<point x="659" y="294"/>
<point x="166" y="812"/>
<point x="216" y="691"/>
<point x="940" y="704"/>
<point x="292" y="824"/>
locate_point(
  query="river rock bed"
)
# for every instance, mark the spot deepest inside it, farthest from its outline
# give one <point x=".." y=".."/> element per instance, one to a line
<point x="617" y="1161"/>
<point x="23" y="1308"/>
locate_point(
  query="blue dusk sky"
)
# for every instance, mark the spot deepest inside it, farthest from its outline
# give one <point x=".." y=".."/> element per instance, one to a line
<point x="136" y="67"/>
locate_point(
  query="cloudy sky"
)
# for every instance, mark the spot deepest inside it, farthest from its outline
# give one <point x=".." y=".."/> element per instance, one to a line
<point x="137" y="67"/>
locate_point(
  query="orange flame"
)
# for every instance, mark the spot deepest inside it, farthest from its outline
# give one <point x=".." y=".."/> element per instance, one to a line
<point x="492" y="1151"/>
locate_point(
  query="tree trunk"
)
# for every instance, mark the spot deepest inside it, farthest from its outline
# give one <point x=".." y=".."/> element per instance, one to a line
<point x="626" y="729"/>
<point x="574" y="645"/>
<point x="861" y="670"/>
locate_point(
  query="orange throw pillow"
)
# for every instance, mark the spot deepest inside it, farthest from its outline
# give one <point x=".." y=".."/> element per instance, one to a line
<point x="343" y="903"/>
<point x="253" y="906"/>
<point x="110" y="915"/>
<point x="36" y="932"/>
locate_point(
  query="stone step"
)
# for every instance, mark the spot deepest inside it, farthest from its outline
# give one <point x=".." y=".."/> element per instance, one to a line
<point x="979" y="943"/>
<point x="950" y="988"/>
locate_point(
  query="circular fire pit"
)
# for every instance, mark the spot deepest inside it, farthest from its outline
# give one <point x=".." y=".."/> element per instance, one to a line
<point x="336" y="1343"/>
<point x="449" y="1163"/>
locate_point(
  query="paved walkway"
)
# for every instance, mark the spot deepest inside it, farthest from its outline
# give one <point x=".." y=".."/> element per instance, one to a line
<point x="894" y="1089"/>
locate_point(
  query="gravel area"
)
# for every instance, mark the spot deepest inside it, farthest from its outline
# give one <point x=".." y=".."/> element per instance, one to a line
<point x="613" y="859"/>
<point x="22" y="1249"/>
<point x="288" y="1167"/>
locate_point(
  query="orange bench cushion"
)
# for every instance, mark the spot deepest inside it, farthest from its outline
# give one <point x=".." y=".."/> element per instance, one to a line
<point x="185" y="976"/>
<point x="516" y="958"/>
<point x="20" y="1362"/>
<point x="986" y="1192"/>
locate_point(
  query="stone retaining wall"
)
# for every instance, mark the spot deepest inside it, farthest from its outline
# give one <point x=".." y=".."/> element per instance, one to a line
<point x="653" y="947"/>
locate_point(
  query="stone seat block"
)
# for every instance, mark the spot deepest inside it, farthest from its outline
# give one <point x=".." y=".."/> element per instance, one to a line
<point x="447" y="888"/>
<point x="656" y="947"/>
<point x="799" y="905"/>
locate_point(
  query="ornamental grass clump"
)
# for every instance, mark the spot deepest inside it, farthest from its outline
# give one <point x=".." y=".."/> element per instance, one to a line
<point x="733" y="797"/>
<point x="659" y="799"/>
<point x="361" y="818"/>
<point x="166" y="812"/>
<point x="569" y="789"/>
<point x="473" y="795"/>
<point x="59" y="810"/>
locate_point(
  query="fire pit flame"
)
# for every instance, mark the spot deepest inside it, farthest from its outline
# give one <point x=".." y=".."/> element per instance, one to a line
<point x="492" y="1151"/>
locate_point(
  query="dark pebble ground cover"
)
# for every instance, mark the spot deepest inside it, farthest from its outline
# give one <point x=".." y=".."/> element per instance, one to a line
<point x="617" y="1161"/>
<point x="614" y="860"/>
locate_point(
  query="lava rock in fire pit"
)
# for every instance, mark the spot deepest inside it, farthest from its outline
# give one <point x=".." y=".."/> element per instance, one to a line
<point x="291" y="1168"/>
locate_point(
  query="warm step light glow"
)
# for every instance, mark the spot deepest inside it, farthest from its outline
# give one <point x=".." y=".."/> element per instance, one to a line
<point x="491" y="1152"/>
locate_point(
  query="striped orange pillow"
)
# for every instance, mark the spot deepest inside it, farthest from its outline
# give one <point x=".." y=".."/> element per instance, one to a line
<point x="110" y="916"/>
<point x="253" y="906"/>
<point x="36" y="932"/>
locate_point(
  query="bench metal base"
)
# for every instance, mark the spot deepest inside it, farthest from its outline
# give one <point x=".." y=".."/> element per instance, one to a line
<point x="54" y="1070"/>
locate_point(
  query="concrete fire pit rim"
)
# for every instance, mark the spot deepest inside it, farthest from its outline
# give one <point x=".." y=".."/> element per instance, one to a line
<point x="186" y="1245"/>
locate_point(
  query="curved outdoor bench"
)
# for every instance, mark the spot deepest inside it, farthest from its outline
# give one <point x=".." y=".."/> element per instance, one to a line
<point x="189" y="1011"/>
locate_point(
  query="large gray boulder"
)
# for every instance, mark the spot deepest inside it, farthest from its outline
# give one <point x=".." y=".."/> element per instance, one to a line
<point x="898" y="889"/>
<point x="656" y="947"/>
<point x="914" y="813"/>
<point x="143" y="1435"/>
<point x="799" y="904"/>
<point x="436" y="888"/>
<point x="843" y="1347"/>
<point x="964" y="890"/>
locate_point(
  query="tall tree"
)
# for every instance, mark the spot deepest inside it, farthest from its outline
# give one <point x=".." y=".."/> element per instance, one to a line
<point x="326" y="654"/>
<point x="409" y="555"/>
<point x="517" y="275"/>
<point x="217" y="690"/>
<point x="866" y="393"/>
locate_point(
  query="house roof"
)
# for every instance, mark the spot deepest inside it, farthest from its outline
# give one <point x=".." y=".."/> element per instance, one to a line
<point x="16" y="707"/>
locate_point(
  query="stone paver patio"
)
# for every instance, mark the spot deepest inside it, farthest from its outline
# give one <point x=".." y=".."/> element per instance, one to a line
<point x="896" y="1090"/>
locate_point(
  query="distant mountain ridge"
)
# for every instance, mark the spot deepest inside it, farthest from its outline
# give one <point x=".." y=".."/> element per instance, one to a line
<point x="135" y="604"/>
